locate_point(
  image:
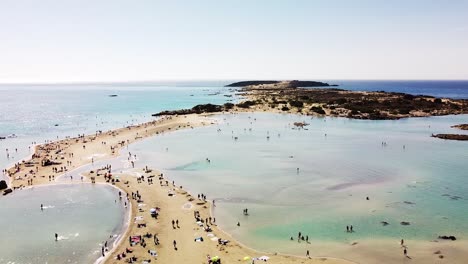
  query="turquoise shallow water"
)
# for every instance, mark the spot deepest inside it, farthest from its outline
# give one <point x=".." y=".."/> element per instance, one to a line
<point x="39" y="113"/>
<point x="336" y="171"/>
<point x="83" y="215"/>
<point x="423" y="183"/>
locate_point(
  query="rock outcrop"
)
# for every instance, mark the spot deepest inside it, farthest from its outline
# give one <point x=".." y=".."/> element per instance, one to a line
<point x="198" y="109"/>
<point x="451" y="136"/>
<point x="461" y="126"/>
<point x="7" y="191"/>
<point x="3" y="185"/>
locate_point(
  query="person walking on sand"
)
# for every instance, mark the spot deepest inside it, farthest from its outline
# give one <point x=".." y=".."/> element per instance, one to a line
<point x="402" y="242"/>
<point x="307" y="254"/>
<point x="405" y="252"/>
<point x="175" y="244"/>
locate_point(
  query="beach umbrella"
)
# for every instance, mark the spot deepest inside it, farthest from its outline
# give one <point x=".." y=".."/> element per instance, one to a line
<point x="215" y="258"/>
<point x="265" y="258"/>
<point x="246" y="258"/>
<point x="153" y="210"/>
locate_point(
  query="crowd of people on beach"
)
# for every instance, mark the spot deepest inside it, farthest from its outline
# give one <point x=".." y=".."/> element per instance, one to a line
<point x="55" y="153"/>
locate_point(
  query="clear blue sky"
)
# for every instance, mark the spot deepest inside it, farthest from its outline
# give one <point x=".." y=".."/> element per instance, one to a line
<point x="112" y="40"/>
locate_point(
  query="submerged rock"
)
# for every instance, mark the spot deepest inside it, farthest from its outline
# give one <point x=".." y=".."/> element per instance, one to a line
<point x="405" y="223"/>
<point x="453" y="238"/>
<point x="3" y="185"/>
<point x="7" y="191"/>
<point x="384" y="223"/>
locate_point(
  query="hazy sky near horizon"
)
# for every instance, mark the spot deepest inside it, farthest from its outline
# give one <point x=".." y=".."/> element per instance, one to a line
<point x="113" y="40"/>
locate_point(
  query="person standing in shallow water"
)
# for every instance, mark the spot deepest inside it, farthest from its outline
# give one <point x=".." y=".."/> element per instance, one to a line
<point x="56" y="237"/>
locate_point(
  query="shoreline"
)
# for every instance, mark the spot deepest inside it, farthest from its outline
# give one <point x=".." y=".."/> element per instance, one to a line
<point x="119" y="243"/>
<point x="163" y="125"/>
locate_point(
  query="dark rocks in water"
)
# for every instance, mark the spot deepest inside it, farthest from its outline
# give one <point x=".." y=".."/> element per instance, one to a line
<point x="384" y="223"/>
<point x="452" y="197"/>
<point x="246" y="104"/>
<point x="113" y="95"/>
<point x="405" y="223"/>
<point x="451" y="136"/>
<point x="7" y="191"/>
<point x="247" y="83"/>
<point x="228" y="106"/>
<point x="453" y="238"/>
<point x="2" y="138"/>
<point x="56" y="125"/>
<point x="408" y="202"/>
<point x="461" y="126"/>
<point x="207" y="108"/>
<point x="198" y="109"/>
<point x="3" y="185"/>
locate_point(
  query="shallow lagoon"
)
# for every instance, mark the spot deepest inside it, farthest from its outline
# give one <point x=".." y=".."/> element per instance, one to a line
<point x="83" y="215"/>
<point x="414" y="178"/>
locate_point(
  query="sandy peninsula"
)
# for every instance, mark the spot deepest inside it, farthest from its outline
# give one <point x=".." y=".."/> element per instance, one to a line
<point x="51" y="160"/>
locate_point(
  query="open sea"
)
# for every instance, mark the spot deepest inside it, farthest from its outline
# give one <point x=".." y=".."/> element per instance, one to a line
<point x="415" y="178"/>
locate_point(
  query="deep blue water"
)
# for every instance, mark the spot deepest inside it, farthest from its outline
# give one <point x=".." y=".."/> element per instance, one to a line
<point x="450" y="89"/>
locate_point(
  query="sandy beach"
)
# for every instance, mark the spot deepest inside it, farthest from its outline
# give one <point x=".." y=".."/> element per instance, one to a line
<point x="71" y="153"/>
<point x="181" y="206"/>
<point x="67" y="154"/>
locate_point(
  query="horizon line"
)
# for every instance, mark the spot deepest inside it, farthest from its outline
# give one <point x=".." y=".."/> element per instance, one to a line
<point x="206" y="80"/>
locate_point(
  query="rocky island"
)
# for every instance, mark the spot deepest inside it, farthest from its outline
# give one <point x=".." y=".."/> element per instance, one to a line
<point x="290" y="84"/>
<point x="294" y="97"/>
